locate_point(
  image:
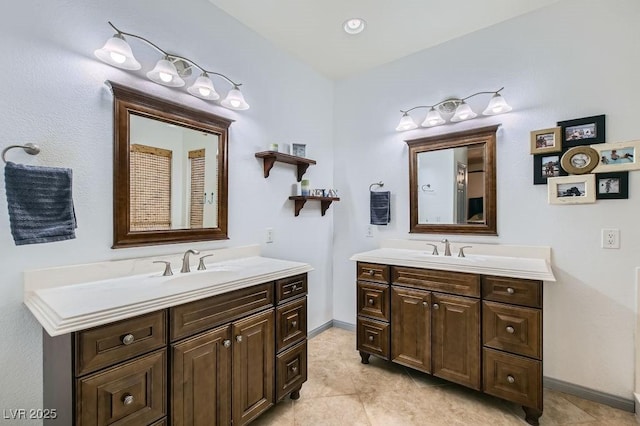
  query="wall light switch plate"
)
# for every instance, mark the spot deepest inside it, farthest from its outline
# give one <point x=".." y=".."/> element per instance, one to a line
<point x="269" y="236"/>
<point x="369" y="231"/>
<point x="610" y="238"/>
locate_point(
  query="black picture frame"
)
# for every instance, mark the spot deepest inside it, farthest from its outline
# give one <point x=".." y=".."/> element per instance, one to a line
<point x="583" y="131"/>
<point x="620" y="184"/>
<point x="541" y="170"/>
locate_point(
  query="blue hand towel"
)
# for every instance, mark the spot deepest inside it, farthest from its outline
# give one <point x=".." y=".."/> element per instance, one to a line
<point x="380" y="206"/>
<point x="40" y="203"/>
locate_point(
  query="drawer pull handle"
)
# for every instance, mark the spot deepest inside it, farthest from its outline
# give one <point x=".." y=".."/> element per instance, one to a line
<point x="510" y="330"/>
<point x="372" y="272"/>
<point x="294" y="324"/>
<point x="127" y="399"/>
<point x="294" y="369"/>
<point x="128" y="339"/>
<point x="510" y="290"/>
<point x="239" y="339"/>
<point x="371" y="338"/>
<point x="511" y="379"/>
<point x="294" y="288"/>
<point x="436" y="306"/>
<point x="371" y="301"/>
<point x="226" y="343"/>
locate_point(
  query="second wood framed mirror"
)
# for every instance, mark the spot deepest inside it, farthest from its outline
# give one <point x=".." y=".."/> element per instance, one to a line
<point x="170" y="171"/>
<point x="452" y="180"/>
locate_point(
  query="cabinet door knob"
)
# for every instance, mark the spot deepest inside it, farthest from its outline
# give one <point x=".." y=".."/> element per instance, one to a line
<point x="425" y="304"/>
<point x="128" y="339"/>
<point x="510" y="290"/>
<point x="226" y="343"/>
<point x="510" y="329"/>
<point x="294" y="287"/>
<point x="294" y="324"/>
<point x="436" y="306"/>
<point x="127" y="399"/>
<point x="371" y="301"/>
<point x="511" y="379"/>
<point x="372" y="272"/>
<point x="294" y="369"/>
<point x="371" y="338"/>
<point x="239" y="339"/>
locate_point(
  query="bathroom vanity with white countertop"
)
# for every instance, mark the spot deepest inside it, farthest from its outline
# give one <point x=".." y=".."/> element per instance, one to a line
<point x="124" y="344"/>
<point x="473" y="320"/>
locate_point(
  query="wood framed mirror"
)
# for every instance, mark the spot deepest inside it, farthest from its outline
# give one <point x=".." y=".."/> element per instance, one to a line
<point x="170" y="171"/>
<point x="452" y="180"/>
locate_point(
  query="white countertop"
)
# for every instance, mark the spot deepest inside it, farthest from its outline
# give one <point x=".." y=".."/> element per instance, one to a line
<point x="62" y="308"/>
<point x="521" y="262"/>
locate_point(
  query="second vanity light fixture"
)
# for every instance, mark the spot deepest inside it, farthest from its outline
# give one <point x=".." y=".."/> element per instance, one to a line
<point x="170" y="70"/>
<point x="460" y="109"/>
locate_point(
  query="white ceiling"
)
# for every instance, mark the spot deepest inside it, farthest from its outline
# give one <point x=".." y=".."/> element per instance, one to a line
<point x="312" y="31"/>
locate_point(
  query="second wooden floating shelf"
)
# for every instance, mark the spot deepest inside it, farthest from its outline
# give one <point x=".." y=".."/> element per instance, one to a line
<point x="325" y="202"/>
<point x="270" y="157"/>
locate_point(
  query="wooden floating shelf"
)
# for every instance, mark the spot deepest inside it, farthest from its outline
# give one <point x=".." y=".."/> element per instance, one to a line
<point x="270" y="157"/>
<point x="325" y="202"/>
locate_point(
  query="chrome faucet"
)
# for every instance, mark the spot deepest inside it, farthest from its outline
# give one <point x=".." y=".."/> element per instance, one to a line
<point x="185" y="260"/>
<point x="447" y="248"/>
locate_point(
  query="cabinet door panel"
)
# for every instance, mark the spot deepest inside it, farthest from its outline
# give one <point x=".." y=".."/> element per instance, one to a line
<point x="456" y="339"/>
<point x="132" y="393"/>
<point x="253" y="366"/>
<point x="200" y="391"/>
<point x="411" y="328"/>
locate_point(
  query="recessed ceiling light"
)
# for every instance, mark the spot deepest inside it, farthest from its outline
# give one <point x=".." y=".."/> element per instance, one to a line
<point x="353" y="25"/>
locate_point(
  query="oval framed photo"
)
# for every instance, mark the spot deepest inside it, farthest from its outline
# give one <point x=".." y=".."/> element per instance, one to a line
<point x="580" y="160"/>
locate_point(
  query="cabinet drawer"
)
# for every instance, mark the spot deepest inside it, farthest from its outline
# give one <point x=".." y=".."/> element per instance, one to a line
<point x="112" y="343"/>
<point x="444" y="281"/>
<point x="373" y="300"/>
<point x="133" y="393"/>
<point x="291" y="369"/>
<point x="512" y="290"/>
<point x="162" y="422"/>
<point x="512" y="328"/>
<point x="373" y="272"/>
<point x="373" y="337"/>
<point x="513" y="378"/>
<point x="201" y="315"/>
<point x="291" y="323"/>
<point x="288" y="288"/>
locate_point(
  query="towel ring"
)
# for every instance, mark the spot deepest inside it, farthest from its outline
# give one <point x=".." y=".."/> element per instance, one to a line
<point x="29" y="148"/>
<point x="380" y="184"/>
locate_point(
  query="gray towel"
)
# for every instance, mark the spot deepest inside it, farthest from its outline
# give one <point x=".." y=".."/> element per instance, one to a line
<point x="380" y="206"/>
<point x="40" y="203"/>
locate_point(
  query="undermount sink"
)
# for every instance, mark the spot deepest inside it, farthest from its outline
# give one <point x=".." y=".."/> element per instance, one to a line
<point x="213" y="275"/>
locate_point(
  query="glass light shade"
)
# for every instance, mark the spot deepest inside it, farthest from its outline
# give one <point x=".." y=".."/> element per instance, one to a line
<point x="203" y="88"/>
<point x="165" y="73"/>
<point x="497" y="105"/>
<point x="463" y="112"/>
<point x="235" y="100"/>
<point x="433" y="118"/>
<point x="406" y="123"/>
<point x="117" y="52"/>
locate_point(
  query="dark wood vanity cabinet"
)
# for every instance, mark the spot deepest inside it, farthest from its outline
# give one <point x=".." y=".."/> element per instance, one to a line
<point x="482" y="332"/>
<point x="216" y="361"/>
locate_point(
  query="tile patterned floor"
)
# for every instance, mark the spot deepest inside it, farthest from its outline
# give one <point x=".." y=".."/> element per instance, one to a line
<point x="341" y="391"/>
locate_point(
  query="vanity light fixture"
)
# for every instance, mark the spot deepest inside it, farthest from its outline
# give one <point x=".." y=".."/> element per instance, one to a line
<point x="170" y="70"/>
<point x="457" y="106"/>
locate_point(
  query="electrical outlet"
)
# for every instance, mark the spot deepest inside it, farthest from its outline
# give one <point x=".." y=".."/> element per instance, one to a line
<point x="269" y="235"/>
<point x="611" y="238"/>
<point x="369" y="231"/>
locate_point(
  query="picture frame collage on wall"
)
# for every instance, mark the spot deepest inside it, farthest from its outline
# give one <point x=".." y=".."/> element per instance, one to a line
<point x="578" y="166"/>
